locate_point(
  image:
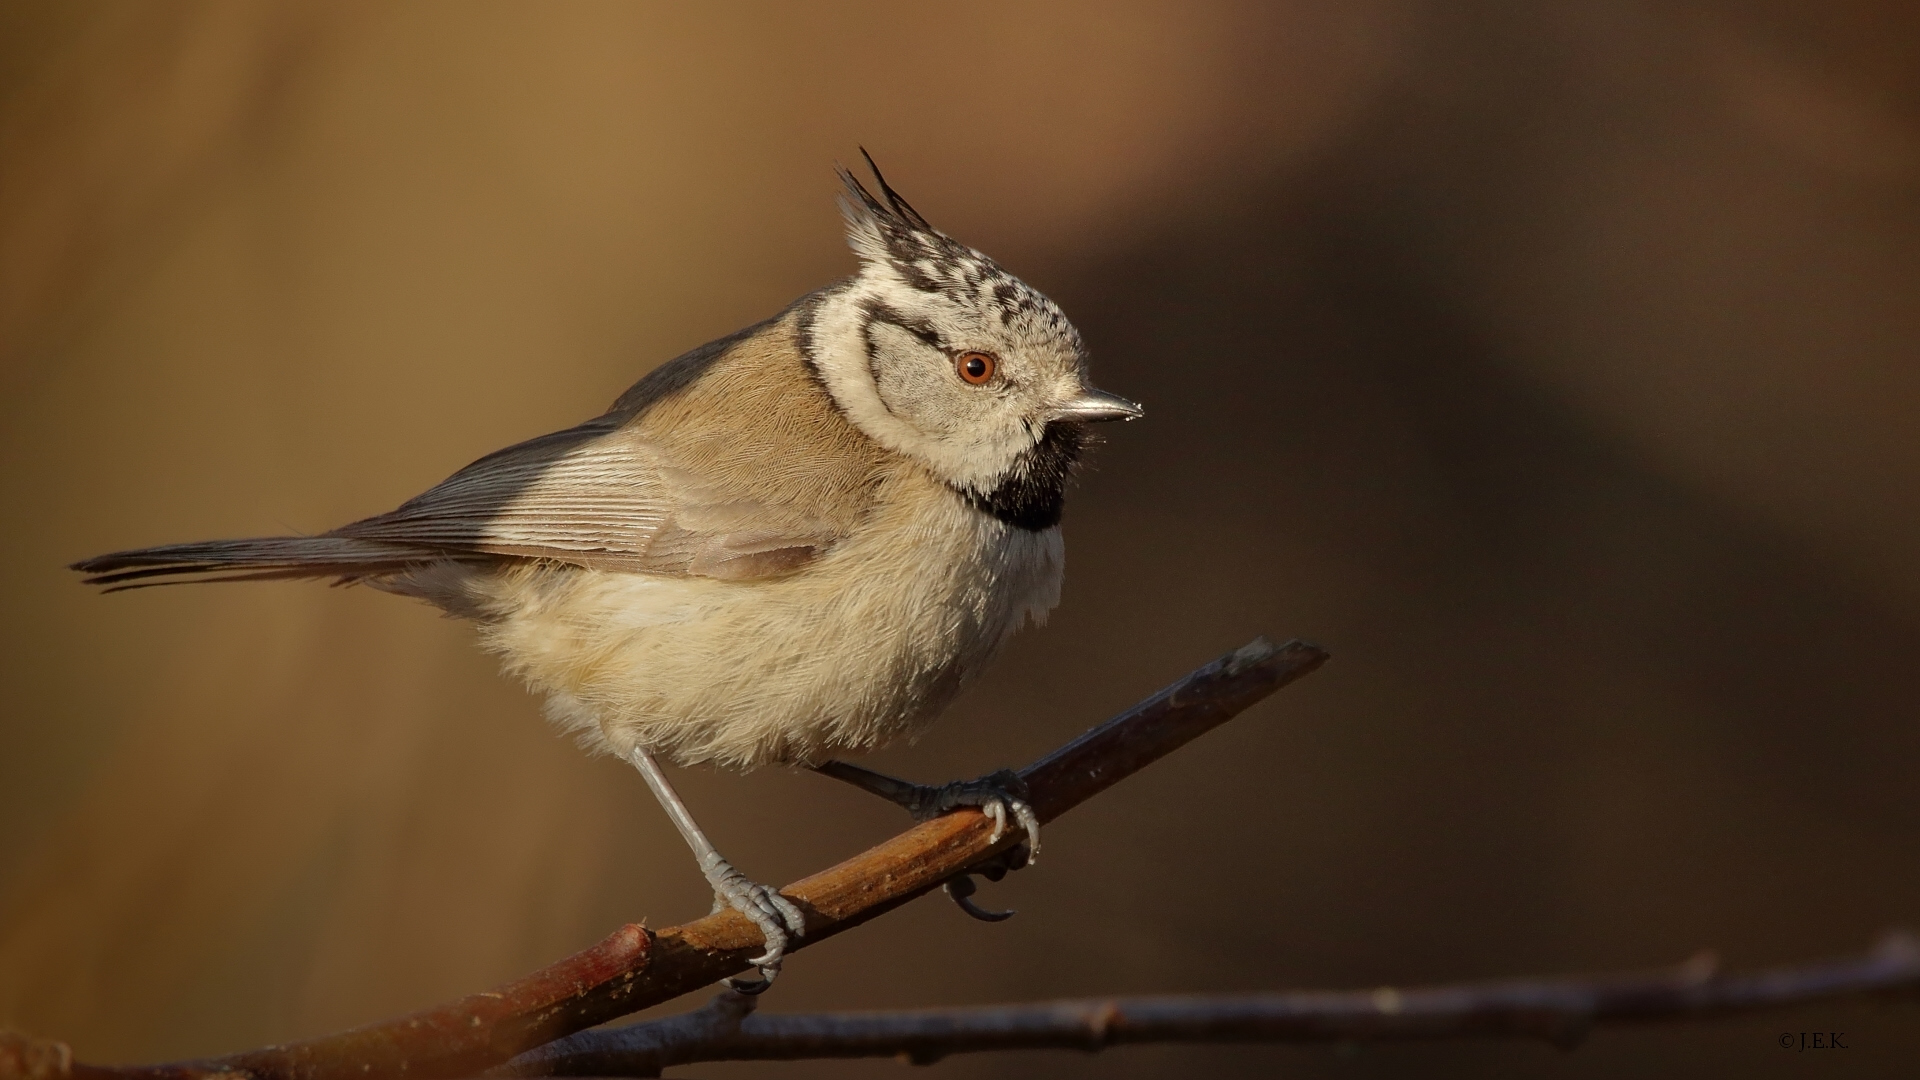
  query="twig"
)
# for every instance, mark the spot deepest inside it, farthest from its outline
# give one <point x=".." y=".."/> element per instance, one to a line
<point x="636" y="968"/>
<point x="1559" y="1010"/>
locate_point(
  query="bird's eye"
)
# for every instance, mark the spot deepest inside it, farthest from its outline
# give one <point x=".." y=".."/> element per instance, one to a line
<point x="975" y="367"/>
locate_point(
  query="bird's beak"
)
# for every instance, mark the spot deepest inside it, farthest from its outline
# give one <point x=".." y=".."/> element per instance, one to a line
<point x="1092" y="406"/>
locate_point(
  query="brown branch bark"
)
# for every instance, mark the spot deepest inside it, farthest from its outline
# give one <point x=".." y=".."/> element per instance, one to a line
<point x="636" y="968"/>
<point x="1559" y="1010"/>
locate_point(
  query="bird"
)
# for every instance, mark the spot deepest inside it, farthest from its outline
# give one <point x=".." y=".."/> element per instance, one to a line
<point x="798" y="541"/>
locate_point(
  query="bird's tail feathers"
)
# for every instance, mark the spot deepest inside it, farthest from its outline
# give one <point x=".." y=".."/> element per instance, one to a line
<point x="342" y="558"/>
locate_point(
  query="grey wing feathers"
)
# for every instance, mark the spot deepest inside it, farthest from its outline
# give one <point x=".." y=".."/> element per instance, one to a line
<point x="574" y="496"/>
<point x="592" y="495"/>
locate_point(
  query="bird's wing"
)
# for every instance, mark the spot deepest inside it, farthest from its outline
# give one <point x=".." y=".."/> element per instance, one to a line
<point x="603" y="496"/>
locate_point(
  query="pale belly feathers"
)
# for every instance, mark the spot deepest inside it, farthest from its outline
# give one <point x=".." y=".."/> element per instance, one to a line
<point x="864" y="645"/>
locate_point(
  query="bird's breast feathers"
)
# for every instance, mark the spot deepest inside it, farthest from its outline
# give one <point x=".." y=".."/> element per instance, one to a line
<point x="862" y="645"/>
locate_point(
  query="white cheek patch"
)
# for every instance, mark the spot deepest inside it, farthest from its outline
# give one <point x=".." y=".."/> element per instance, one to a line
<point x="969" y="455"/>
<point x="914" y="380"/>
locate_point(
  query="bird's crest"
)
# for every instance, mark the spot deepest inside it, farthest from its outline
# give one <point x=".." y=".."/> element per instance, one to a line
<point x="885" y="231"/>
<point x="893" y="240"/>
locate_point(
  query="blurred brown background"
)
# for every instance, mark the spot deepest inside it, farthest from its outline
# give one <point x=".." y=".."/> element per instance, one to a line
<point x="1553" y="364"/>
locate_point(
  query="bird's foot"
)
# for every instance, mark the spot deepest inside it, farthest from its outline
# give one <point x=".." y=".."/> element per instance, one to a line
<point x="775" y="915"/>
<point x="1001" y="796"/>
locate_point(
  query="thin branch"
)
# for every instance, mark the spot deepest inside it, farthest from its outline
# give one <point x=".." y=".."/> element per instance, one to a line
<point x="636" y="968"/>
<point x="1558" y="1010"/>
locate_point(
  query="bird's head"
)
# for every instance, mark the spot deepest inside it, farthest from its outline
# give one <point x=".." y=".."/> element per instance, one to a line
<point x="936" y="352"/>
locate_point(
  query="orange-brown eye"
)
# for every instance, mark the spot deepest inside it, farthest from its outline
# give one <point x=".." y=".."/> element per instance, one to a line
<point x="975" y="367"/>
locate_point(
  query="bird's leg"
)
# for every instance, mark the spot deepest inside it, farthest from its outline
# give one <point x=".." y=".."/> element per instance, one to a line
<point x="775" y="915"/>
<point x="998" y="795"/>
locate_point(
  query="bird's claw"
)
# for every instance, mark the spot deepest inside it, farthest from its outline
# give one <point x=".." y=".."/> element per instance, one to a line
<point x="776" y="916"/>
<point x="1023" y="815"/>
<point x="1000" y="796"/>
<point x="961" y="889"/>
